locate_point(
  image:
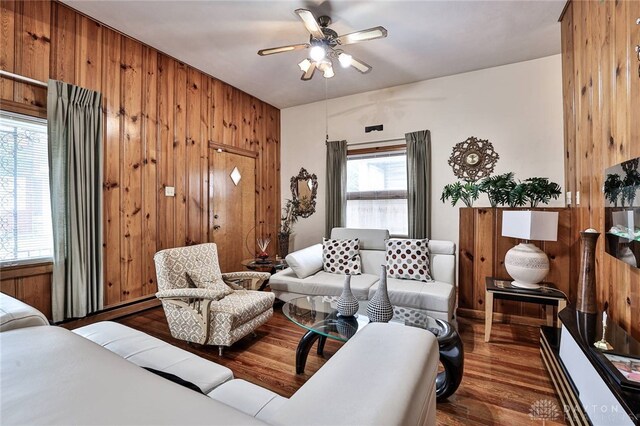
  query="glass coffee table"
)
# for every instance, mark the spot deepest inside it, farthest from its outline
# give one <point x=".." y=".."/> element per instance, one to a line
<point x="319" y="316"/>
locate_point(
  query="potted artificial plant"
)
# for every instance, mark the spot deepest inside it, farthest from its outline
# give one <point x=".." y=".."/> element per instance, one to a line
<point x="288" y="219"/>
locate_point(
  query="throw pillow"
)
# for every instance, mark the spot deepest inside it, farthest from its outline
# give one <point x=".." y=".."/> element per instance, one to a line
<point x="408" y="259"/>
<point x="341" y="256"/>
<point x="306" y="262"/>
<point x="206" y="278"/>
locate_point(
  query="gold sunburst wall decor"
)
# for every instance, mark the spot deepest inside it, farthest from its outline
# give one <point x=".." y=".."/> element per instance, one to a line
<point x="473" y="159"/>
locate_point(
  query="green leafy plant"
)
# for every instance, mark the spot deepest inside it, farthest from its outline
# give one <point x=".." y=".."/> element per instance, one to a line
<point x="534" y="191"/>
<point x="612" y="188"/>
<point x="289" y="217"/>
<point x="468" y="192"/>
<point x="631" y="181"/>
<point x="498" y="188"/>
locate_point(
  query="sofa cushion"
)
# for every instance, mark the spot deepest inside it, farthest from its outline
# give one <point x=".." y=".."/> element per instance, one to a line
<point x="306" y="262"/>
<point x="341" y="256"/>
<point x="408" y="259"/>
<point x="370" y="239"/>
<point x="322" y="284"/>
<point x="50" y="375"/>
<point x="432" y="296"/>
<point x="249" y="398"/>
<point x="372" y="260"/>
<point x="147" y="351"/>
<point x="207" y="278"/>
<point x="242" y="306"/>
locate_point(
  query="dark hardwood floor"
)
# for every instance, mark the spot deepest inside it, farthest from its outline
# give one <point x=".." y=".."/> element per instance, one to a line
<point x="502" y="379"/>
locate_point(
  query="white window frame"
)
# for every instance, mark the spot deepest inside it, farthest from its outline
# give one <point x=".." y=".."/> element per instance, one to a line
<point x="35" y="260"/>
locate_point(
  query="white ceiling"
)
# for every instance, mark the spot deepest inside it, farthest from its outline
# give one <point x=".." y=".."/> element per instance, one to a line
<point x="427" y="39"/>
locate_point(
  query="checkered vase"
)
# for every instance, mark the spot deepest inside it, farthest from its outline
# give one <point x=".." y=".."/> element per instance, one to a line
<point x="347" y="303"/>
<point x="379" y="308"/>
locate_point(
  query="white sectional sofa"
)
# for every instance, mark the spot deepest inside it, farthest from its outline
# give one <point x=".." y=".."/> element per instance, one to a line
<point x="49" y="375"/>
<point x="437" y="298"/>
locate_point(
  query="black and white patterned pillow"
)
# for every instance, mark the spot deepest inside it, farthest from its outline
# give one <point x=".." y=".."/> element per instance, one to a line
<point x="341" y="256"/>
<point x="408" y="259"/>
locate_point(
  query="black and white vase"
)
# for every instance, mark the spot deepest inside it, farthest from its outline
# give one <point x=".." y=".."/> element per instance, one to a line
<point x="379" y="308"/>
<point x="347" y="303"/>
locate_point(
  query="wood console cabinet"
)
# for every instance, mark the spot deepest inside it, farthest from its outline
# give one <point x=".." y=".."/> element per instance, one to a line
<point x="481" y="254"/>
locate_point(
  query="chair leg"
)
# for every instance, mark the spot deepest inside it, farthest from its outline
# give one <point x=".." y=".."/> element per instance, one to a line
<point x="220" y="349"/>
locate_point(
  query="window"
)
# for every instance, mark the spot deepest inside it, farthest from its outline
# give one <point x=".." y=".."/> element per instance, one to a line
<point x="25" y="211"/>
<point x="377" y="192"/>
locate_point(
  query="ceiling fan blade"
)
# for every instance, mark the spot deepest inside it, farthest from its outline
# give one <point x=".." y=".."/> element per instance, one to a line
<point x="363" y="67"/>
<point x="306" y="76"/>
<point x="310" y="23"/>
<point x="282" y="49"/>
<point x="364" y="35"/>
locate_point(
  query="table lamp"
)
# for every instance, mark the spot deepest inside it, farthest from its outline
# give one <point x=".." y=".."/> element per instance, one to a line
<point x="526" y="263"/>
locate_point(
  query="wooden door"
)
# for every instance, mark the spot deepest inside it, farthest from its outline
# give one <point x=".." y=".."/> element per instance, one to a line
<point x="232" y="206"/>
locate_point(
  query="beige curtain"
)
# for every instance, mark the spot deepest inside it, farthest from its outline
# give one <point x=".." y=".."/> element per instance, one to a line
<point x="75" y="178"/>
<point x="336" y="192"/>
<point x="419" y="183"/>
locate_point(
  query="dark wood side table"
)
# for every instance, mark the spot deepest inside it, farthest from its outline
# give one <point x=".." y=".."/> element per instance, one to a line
<point x="268" y="265"/>
<point x="547" y="294"/>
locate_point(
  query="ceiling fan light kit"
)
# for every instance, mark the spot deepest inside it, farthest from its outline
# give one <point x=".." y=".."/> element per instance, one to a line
<point x="323" y="42"/>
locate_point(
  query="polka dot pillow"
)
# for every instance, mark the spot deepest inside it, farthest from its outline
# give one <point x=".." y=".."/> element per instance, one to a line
<point x="341" y="256"/>
<point x="408" y="259"/>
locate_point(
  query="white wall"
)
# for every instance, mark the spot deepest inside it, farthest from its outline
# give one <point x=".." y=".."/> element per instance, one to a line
<point x="517" y="107"/>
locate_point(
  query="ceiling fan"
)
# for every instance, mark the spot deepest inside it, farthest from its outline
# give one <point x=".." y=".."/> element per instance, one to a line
<point x="324" y="44"/>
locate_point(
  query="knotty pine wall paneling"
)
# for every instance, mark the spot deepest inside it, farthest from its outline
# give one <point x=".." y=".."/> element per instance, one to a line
<point x="159" y="117"/>
<point x="601" y="92"/>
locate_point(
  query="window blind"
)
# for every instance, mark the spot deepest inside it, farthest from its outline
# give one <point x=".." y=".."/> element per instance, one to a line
<point x="25" y="210"/>
<point x="377" y="191"/>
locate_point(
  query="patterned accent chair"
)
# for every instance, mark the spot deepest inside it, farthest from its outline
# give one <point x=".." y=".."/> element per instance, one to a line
<point x="199" y="315"/>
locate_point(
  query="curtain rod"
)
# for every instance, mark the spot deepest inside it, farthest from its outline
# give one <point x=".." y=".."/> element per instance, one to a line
<point x="378" y="141"/>
<point x="22" y="78"/>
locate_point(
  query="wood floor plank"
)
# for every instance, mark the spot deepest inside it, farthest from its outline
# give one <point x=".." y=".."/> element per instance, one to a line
<point x="502" y="379"/>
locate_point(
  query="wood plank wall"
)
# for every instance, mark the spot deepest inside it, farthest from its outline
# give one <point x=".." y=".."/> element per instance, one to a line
<point x="482" y="253"/>
<point x="159" y="116"/>
<point x="601" y="85"/>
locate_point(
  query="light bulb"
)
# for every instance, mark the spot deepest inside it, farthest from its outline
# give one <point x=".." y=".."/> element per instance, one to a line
<point x="345" y="60"/>
<point x="328" y="72"/>
<point x="304" y="65"/>
<point x="317" y="53"/>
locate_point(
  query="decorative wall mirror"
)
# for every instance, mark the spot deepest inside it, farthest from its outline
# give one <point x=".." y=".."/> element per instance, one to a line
<point x="473" y="159"/>
<point x="304" y="188"/>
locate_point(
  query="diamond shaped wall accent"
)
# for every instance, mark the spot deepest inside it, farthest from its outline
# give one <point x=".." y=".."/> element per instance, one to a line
<point x="235" y="176"/>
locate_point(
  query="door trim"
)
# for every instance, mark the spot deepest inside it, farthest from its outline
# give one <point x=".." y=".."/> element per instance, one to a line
<point x="233" y="150"/>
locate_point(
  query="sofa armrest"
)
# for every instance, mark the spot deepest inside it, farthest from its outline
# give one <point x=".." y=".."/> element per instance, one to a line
<point x="364" y="385"/>
<point x="16" y="314"/>
<point x="189" y="293"/>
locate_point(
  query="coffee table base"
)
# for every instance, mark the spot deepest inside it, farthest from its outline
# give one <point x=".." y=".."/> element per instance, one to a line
<point x="302" y="353"/>
<point x="449" y="346"/>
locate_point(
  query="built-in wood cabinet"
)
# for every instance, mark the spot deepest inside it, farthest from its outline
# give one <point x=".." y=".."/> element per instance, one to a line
<point x="482" y="249"/>
<point x="160" y="115"/>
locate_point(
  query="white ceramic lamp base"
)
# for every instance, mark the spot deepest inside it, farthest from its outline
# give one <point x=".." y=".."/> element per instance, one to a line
<point x="527" y="265"/>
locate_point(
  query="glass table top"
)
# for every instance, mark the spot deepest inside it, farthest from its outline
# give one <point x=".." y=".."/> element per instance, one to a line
<point x="320" y="315"/>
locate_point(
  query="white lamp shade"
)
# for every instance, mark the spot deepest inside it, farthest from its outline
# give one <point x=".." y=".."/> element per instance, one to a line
<point x="530" y="225"/>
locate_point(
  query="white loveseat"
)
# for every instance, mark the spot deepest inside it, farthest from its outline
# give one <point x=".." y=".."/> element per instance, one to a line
<point x="49" y="375"/>
<point x="437" y="298"/>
